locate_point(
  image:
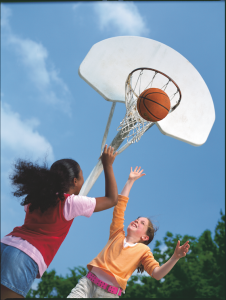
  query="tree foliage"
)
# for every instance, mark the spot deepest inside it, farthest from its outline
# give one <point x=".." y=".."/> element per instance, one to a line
<point x="54" y="286"/>
<point x="201" y="274"/>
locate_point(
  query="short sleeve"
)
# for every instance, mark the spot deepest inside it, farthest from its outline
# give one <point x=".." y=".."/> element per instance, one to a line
<point x="76" y="205"/>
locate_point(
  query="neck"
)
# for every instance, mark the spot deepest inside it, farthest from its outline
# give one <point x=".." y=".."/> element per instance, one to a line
<point x="72" y="190"/>
<point x="131" y="239"/>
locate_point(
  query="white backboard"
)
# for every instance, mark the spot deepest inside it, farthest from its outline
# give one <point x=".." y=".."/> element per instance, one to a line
<point x="109" y="62"/>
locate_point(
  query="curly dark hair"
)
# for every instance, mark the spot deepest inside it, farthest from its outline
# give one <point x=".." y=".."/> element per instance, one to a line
<point x="151" y="233"/>
<point x="43" y="187"/>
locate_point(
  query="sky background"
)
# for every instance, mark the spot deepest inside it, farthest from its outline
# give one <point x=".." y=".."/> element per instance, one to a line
<point x="48" y="111"/>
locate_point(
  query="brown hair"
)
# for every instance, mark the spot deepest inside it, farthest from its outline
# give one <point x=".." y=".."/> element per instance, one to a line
<point x="150" y="233"/>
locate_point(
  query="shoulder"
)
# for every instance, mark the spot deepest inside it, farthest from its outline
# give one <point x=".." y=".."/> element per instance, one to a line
<point x="80" y="202"/>
<point x="144" y="248"/>
<point x="76" y="205"/>
<point x="79" y="199"/>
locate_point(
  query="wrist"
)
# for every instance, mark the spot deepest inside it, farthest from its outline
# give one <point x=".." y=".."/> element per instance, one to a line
<point x="107" y="166"/>
<point x="175" y="257"/>
<point x="131" y="180"/>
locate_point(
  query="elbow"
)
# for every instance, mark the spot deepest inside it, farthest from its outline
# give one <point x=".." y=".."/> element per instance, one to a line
<point x="115" y="200"/>
<point x="158" y="278"/>
<point x="155" y="274"/>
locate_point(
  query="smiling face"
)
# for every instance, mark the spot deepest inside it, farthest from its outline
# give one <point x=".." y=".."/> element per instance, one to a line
<point x="138" y="228"/>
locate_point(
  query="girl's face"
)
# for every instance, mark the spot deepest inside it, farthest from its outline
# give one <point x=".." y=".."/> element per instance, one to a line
<point x="138" y="229"/>
<point x="78" y="183"/>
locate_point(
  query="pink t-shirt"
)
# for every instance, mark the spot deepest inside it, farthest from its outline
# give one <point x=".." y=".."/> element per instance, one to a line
<point x="75" y="206"/>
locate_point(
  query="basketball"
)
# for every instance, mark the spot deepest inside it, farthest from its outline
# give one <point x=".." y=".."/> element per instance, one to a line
<point x="153" y="104"/>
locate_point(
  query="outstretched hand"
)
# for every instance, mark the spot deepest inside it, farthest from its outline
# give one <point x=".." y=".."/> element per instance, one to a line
<point x="108" y="156"/>
<point x="181" y="251"/>
<point x="136" y="174"/>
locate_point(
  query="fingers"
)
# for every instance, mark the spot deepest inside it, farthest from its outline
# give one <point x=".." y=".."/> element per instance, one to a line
<point x="109" y="150"/>
<point x="186" y="245"/>
<point x="104" y="151"/>
<point x="137" y="173"/>
<point x="137" y="170"/>
<point x="105" y="148"/>
<point x="141" y="172"/>
<point x="116" y="153"/>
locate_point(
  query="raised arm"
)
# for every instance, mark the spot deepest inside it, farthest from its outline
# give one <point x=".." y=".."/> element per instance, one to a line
<point x="180" y="251"/>
<point x="111" y="190"/>
<point x="133" y="176"/>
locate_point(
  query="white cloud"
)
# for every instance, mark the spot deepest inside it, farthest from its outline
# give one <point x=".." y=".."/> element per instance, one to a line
<point x="35" y="59"/>
<point x="122" y="17"/>
<point x="34" y="56"/>
<point x="21" y="137"/>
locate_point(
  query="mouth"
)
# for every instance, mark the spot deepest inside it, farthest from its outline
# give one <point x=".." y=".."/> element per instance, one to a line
<point x="133" y="225"/>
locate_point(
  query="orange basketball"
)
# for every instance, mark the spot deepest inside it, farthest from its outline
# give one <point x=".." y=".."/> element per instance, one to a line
<point x="153" y="104"/>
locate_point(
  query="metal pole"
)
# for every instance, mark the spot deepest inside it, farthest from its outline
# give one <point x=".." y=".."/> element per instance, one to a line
<point x="117" y="141"/>
<point x="108" y="126"/>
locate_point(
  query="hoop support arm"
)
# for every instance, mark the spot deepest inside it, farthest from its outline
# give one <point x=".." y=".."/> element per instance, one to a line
<point x="107" y="126"/>
<point x="117" y="141"/>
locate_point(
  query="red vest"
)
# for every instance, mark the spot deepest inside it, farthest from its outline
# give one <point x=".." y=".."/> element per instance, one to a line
<point x="45" y="231"/>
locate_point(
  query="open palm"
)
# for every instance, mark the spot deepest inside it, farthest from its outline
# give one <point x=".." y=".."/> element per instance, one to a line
<point x="181" y="251"/>
<point x="137" y="173"/>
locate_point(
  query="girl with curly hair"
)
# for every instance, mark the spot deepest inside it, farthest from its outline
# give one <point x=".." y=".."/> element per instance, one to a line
<point x="51" y="202"/>
<point x="110" y="270"/>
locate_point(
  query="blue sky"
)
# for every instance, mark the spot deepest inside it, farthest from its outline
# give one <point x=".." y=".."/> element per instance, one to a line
<point x="48" y="110"/>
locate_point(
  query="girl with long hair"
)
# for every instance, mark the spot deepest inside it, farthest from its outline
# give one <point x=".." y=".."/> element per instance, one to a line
<point x="51" y="202"/>
<point x="110" y="270"/>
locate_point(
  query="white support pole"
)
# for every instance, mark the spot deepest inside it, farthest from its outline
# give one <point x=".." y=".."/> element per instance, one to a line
<point x="117" y="141"/>
<point x="107" y="127"/>
<point x="91" y="179"/>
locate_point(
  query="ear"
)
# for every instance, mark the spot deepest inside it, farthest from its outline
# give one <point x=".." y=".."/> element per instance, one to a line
<point x="145" y="238"/>
<point x="75" y="181"/>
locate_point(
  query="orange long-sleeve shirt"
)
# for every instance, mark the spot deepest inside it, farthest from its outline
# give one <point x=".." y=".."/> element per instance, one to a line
<point x="118" y="261"/>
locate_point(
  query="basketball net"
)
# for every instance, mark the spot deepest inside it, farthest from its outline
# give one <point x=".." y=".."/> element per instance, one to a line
<point x="133" y="126"/>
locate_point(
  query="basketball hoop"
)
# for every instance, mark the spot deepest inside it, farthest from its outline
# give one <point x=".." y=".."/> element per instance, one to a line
<point x="133" y="126"/>
<point x="107" y="65"/>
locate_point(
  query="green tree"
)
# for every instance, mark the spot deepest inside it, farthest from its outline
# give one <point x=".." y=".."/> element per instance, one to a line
<point x="201" y="274"/>
<point x="54" y="286"/>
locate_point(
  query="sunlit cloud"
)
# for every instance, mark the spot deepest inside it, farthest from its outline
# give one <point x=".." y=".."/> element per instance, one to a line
<point x="120" y="16"/>
<point x="40" y="70"/>
<point x="21" y="138"/>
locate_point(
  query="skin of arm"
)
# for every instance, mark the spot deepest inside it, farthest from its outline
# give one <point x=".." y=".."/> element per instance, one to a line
<point x="180" y="251"/>
<point x="133" y="176"/>
<point x="111" y="190"/>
